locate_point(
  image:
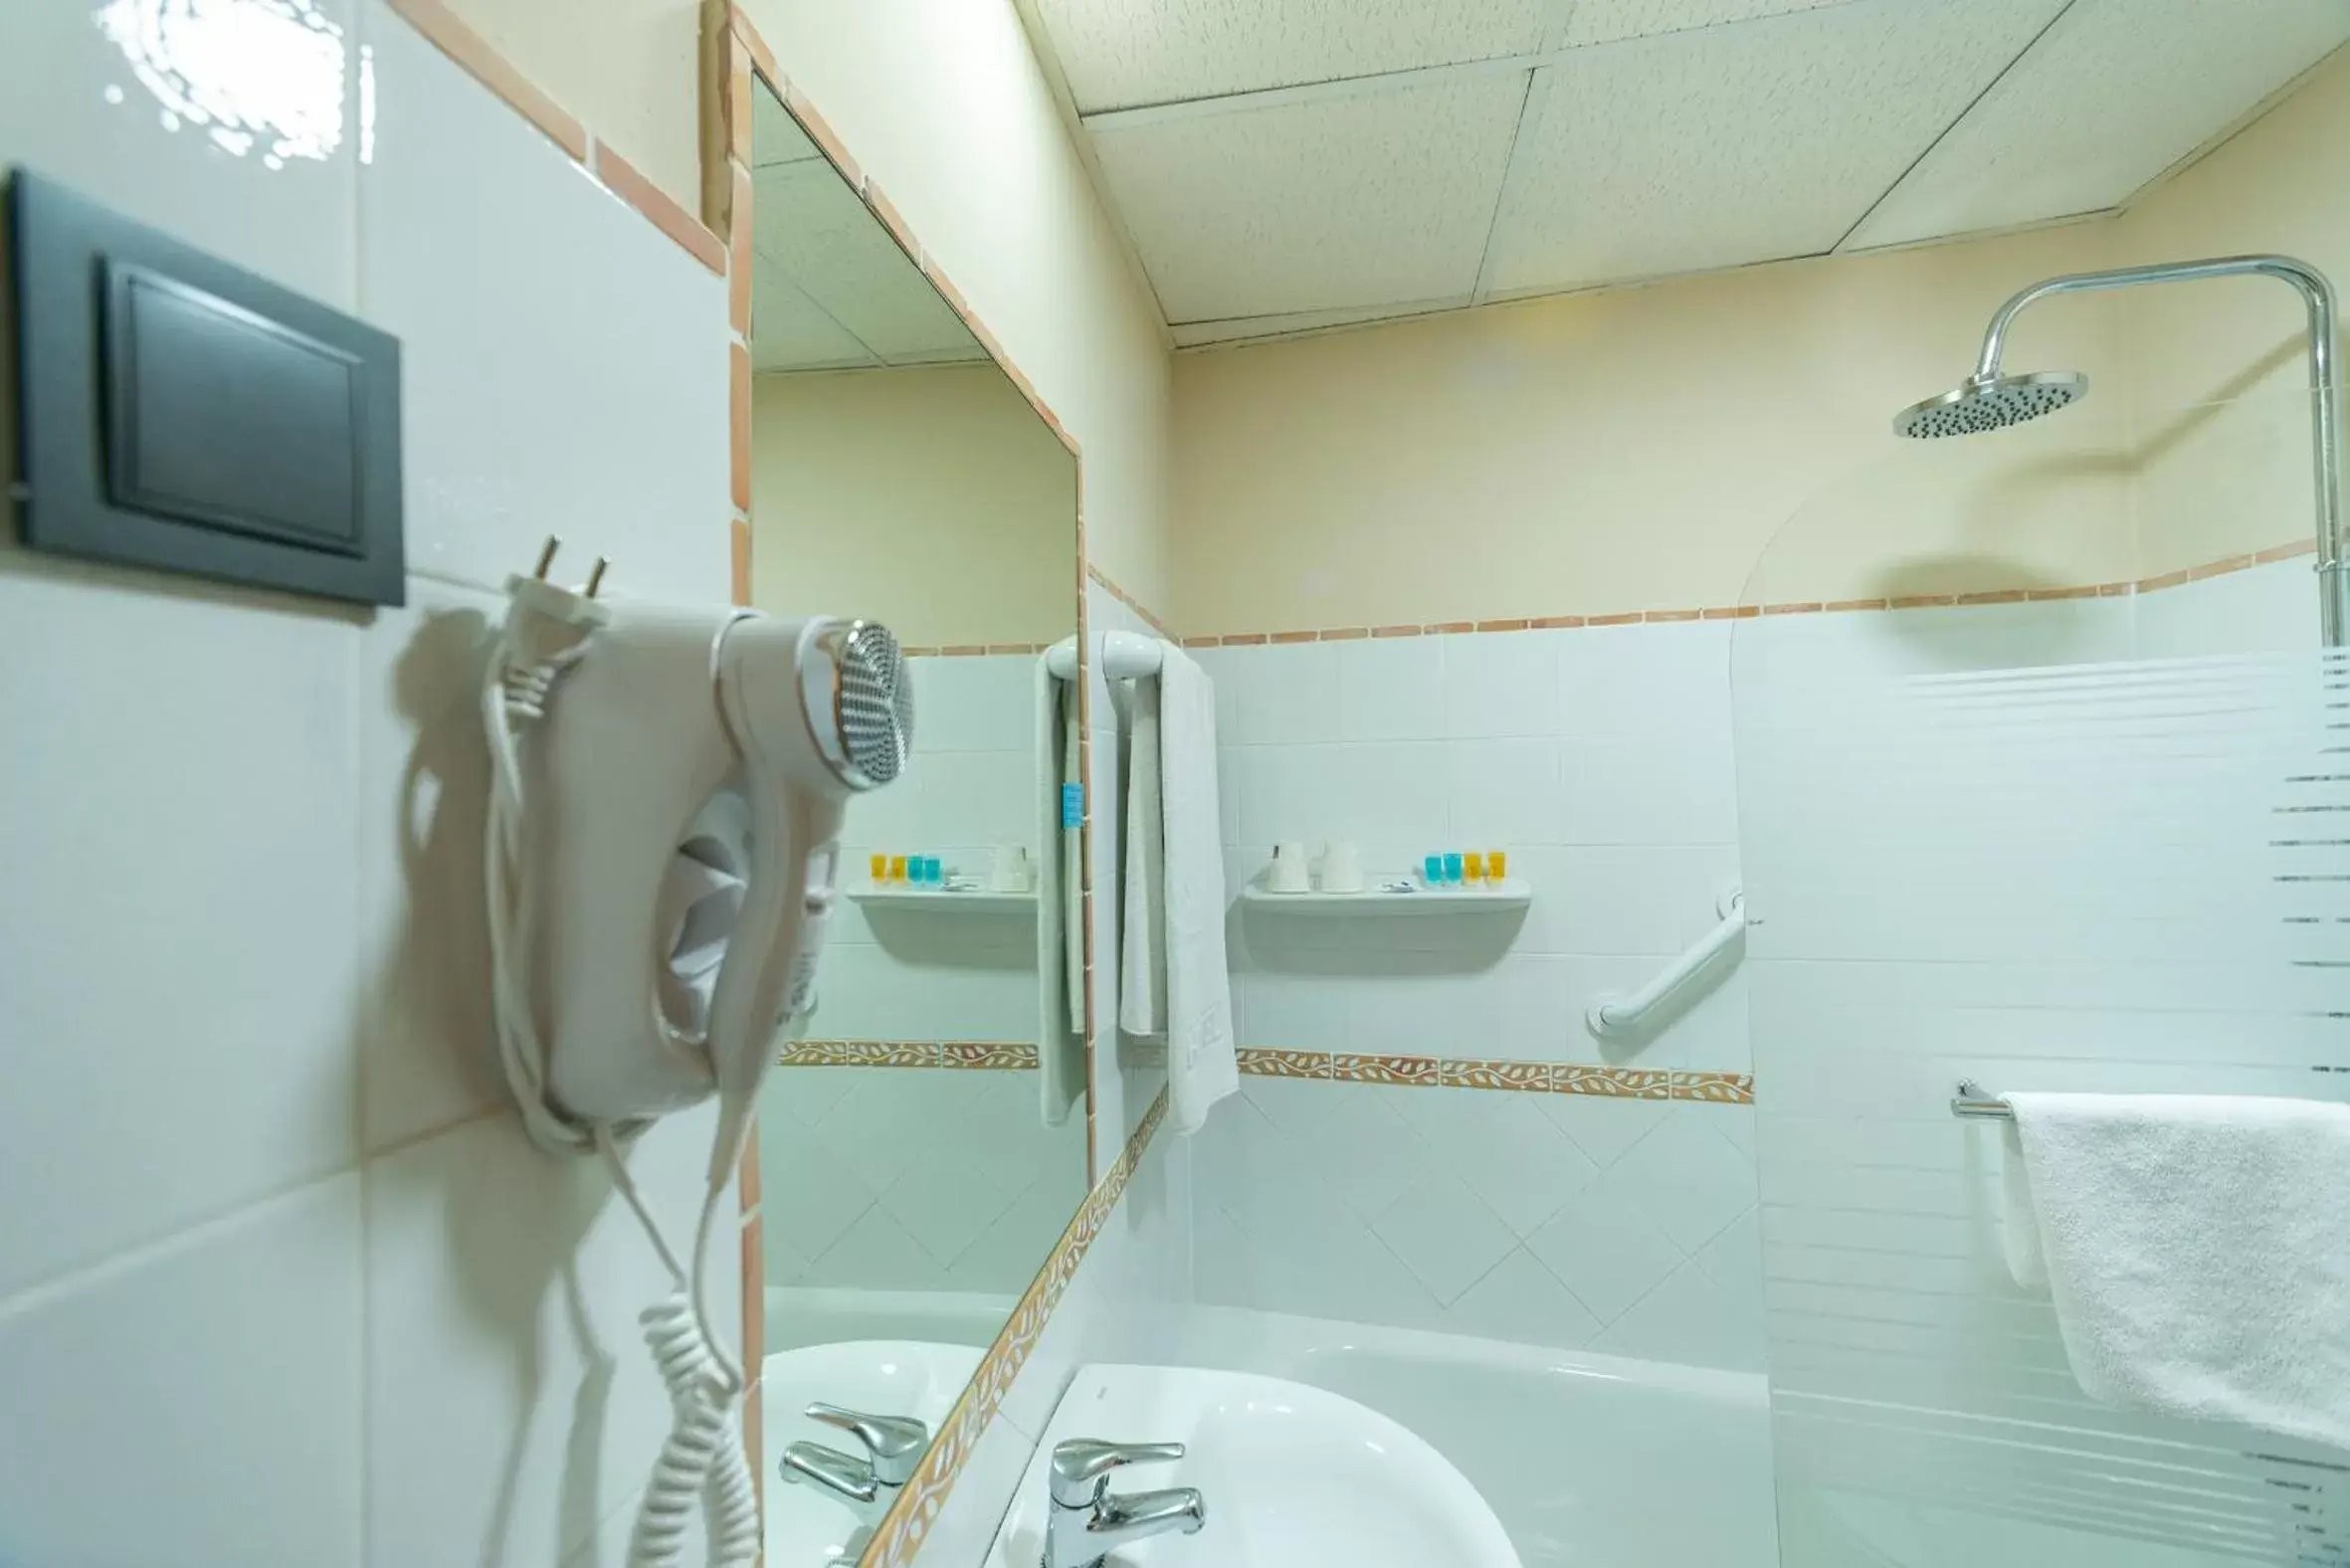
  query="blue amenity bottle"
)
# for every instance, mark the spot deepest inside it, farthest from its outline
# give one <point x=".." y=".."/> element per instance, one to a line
<point x="1452" y="870"/>
<point x="1432" y="870"/>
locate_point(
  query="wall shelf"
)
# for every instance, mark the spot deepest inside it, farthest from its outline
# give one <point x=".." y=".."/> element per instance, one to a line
<point x="1510" y="894"/>
<point x="979" y="902"/>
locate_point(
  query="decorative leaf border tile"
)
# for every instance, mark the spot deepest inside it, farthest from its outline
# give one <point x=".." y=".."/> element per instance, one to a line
<point x="901" y="1531"/>
<point x="1537" y="1077"/>
<point x="1004" y="1056"/>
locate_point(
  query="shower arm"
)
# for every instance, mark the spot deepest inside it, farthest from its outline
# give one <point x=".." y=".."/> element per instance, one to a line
<point x="2333" y="585"/>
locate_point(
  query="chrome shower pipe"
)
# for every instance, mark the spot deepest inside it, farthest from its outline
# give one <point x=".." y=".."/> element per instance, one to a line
<point x="2333" y="573"/>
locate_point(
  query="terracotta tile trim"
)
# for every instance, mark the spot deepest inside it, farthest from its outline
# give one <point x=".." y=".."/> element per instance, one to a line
<point x="446" y="32"/>
<point x="1100" y="578"/>
<point x="1743" y="612"/>
<point x="973" y="649"/>
<point x="622" y="179"/>
<point x="963" y="1055"/>
<point x="898" y="1537"/>
<point x="1538" y="1077"/>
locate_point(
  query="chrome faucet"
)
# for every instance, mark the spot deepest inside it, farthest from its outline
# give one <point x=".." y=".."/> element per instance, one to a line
<point x="1088" y="1523"/>
<point x="893" y="1447"/>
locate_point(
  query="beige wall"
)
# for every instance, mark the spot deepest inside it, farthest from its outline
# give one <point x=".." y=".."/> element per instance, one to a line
<point x="1725" y="439"/>
<point x="933" y="500"/>
<point x="626" y="67"/>
<point x="2222" y="403"/>
<point x="948" y="109"/>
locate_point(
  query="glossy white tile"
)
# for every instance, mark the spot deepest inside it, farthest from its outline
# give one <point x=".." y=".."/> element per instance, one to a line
<point x="425" y="1028"/>
<point x="1523" y="1302"/>
<point x="1391" y="688"/>
<point x="1500" y="685"/>
<point x="1605" y="1249"/>
<point x="1688" y="1178"/>
<point x="170" y="1406"/>
<point x="564" y="363"/>
<point x="1688" y="1319"/>
<point x="1445" y="1233"/>
<point x="502" y="1293"/>
<point x="234" y="129"/>
<point x="181" y="934"/>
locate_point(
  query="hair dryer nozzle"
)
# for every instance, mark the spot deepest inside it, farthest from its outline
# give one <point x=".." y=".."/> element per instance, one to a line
<point x="860" y="701"/>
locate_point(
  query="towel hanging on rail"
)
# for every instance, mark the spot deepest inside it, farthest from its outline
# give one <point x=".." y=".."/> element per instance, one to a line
<point x="2195" y="1249"/>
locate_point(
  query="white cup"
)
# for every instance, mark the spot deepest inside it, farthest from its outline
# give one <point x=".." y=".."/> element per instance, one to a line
<point x="1010" y="872"/>
<point x="1343" y="867"/>
<point x="1287" y="873"/>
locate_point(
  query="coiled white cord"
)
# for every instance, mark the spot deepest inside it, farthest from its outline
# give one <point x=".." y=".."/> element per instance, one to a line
<point x="702" y="1460"/>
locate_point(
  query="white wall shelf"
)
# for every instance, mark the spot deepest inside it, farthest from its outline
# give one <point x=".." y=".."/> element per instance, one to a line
<point x="1510" y="894"/>
<point x="941" y="902"/>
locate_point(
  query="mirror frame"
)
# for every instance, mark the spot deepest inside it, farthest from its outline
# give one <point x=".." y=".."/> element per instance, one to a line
<point x="736" y="63"/>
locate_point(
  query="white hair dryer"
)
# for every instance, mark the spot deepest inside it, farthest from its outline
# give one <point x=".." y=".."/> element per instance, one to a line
<point x="664" y="844"/>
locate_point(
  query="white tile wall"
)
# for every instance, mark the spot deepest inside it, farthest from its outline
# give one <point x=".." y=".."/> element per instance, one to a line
<point x="279" y="1281"/>
<point x="1546" y="1219"/>
<point x="914" y="1179"/>
<point x="1601" y="760"/>
<point x="913" y="974"/>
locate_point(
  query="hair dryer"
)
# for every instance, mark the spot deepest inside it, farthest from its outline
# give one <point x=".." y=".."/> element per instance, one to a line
<point x="668" y="793"/>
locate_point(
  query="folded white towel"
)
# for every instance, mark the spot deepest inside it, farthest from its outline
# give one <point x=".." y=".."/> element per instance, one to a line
<point x="2198" y="1250"/>
<point x="1142" y="932"/>
<point x="1061" y="1032"/>
<point x="1203" y="1064"/>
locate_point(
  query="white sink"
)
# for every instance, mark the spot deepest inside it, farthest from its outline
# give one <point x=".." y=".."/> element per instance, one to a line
<point x="808" y="1526"/>
<point x="1292" y="1477"/>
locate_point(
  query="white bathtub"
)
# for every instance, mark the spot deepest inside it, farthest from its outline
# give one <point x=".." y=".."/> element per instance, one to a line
<point x="1589" y="1461"/>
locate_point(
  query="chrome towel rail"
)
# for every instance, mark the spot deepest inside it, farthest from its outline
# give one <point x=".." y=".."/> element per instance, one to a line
<point x="1976" y="1106"/>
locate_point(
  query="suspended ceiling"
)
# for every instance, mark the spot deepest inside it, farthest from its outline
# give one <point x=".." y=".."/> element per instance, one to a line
<point x="1286" y="164"/>
<point x="829" y="288"/>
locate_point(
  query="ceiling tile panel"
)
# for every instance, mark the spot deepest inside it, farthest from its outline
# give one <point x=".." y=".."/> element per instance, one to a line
<point x="2116" y="93"/>
<point x="1119" y="54"/>
<point x="776" y="137"/>
<point x="1195" y="335"/>
<point x="1606" y="21"/>
<point x="790" y="332"/>
<point x="1736" y="144"/>
<point x="815" y="231"/>
<point x="1358" y="200"/>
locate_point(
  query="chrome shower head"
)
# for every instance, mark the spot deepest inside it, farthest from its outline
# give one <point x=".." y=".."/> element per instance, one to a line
<point x="1992" y="403"/>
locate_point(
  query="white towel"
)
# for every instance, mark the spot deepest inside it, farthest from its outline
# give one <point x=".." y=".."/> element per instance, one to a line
<point x="1061" y="1048"/>
<point x="1203" y="1066"/>
<point x="1142" y="932"/>
<point x="2198" y="1249"/>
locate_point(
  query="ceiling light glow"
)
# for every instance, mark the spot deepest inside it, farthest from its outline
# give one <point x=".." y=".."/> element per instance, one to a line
<point x="262" y="76"/>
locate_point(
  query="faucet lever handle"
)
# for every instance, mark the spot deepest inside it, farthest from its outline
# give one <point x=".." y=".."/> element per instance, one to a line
<point x="1082" y="1466"/>
<point x="896" y="1442"/>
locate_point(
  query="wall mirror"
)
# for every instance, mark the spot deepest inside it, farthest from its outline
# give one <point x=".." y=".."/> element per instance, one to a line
<point x="917" y="1166"/>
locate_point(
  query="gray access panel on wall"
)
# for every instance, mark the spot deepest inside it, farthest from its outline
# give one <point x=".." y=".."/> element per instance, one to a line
<point x="174" y="411"/>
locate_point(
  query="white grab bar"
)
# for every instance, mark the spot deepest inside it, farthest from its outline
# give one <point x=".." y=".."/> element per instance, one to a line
<point x="1612" y="1014"/>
